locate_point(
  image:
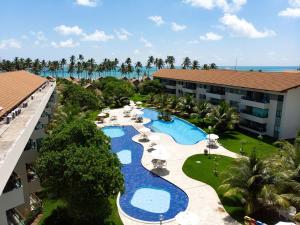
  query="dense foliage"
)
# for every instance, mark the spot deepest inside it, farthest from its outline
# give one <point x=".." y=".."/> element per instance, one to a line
<point x="220" y="117"/>
<point x="77" y="96"/>
<point x="116" y="92"/>
<point x="151" y="86"/>
<point x="76" y="164"/>
<point x="90" y="69"/>
<point x="269" y="186"/>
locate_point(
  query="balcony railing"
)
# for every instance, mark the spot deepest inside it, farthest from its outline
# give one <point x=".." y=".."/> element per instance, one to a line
<point x="261" y="100"/>
<point x="216" y="92"/>
<point x="254" y="114"/>
<point x="260" y="129"/>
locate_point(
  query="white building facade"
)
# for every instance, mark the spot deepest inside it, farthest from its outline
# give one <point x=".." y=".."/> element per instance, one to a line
<point x="21" y="134"/>
<point x="266" y="112"/>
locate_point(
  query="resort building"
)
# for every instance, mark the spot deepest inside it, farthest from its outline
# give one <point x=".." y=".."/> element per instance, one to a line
<point x="26" y="104"/>
<point x="268" y="103"/>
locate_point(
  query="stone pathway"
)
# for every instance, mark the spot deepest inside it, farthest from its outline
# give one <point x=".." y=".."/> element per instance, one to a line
<point x="203" y="200"/>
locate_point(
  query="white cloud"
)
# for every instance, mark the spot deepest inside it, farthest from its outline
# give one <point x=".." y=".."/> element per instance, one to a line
<point x="290" y="12"/>
<point x="158" y="20"/>
<point x="65" y="44"/>
<point x="293" y="11"/>
<point x="136" y="52"/>
<point x="146" y="42"/>
<point x="294" y="3"/>
<point x="227" y="6"/>
<point x="241" y="27"/>
<point x="123" y="34"/>
<point x="97" y="36"/>
<point x="176" y="27"/>
<point x="193" y="42"/>
<point x="210" y="36"/>
<point x="66" y="30"/>
<point x="10" y="43"/>
<point x="90" y="3"/>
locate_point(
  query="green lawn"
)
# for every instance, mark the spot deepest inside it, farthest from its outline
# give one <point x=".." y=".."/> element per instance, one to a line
<point x="201" y="167"/>
<point x="232" y="141"/>
<point x="50" y="206"/>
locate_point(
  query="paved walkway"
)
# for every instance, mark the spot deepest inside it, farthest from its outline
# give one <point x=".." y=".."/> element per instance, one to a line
<point x="203" y="200"/>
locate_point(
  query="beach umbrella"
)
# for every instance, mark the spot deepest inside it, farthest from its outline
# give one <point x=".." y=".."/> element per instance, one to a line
<point x="153" y="137"/>
<point x="160" y="154"/>
<point x="187" y="218"/>
<point x="212" y="136"/>
<point x="102" y="114"/>
<point x="137" y="112"/>
<point x="139" y="103"/>
<point x="127" y="107"/>
<point x="144" y="130"/>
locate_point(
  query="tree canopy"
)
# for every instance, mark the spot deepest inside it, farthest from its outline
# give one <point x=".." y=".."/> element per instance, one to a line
<point x="76" y="164"/>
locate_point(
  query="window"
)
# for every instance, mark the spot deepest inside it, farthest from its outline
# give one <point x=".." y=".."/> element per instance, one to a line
<point x="202" y="97"/>
<point x="280" y="98"/>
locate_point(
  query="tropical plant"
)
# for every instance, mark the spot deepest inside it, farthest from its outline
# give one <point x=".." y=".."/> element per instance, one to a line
<point x="195" y="65"/>
<point x="222" y="117"/>
<point x="186" y="63"/>
<point x="248" y="180"/>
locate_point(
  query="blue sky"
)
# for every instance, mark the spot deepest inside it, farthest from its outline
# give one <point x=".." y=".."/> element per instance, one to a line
<point x="257" y="32"/>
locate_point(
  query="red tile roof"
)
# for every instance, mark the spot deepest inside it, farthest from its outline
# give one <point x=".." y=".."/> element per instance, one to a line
<point x="15" y="87"/>
<point x="267" y="81"/>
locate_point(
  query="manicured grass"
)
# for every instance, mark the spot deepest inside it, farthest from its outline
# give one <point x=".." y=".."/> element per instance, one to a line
<point x="232" y="141"/>
<point x="50" y="206"/>
<point x="201" y="167"/>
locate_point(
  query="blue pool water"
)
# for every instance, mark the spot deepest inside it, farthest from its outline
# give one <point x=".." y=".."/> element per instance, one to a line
<point x="146" y="195"/>
<point x="113" y="132"/>
<point x="182" y="131"/>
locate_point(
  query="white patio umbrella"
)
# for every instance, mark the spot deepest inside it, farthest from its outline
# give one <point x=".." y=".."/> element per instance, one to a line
<point x="212" y="136"/>
<point x="160" y="154"/>
<point x="139" y="103"/>
<point x="285" y="223"/>
<point x="102" y="114"/>
<point x="144" y="130"/>
<point x="187" y="218"/>
<point x="137" y="112"/>
<point x="127" y="107"/>
<point x="154" y="137"/>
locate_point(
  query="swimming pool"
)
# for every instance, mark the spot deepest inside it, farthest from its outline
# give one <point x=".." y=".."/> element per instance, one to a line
<point x="182" y="131"/>
<point x="146" y="195"/>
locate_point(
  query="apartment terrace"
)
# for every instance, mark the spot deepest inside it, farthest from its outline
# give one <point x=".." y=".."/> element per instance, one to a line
<point x="15" y="134"/>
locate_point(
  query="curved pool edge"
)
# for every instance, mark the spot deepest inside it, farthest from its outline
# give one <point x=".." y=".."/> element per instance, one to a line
<point x="188" y="205"/>
<point x="185" y="121"/>
<point x="120" y="210"/>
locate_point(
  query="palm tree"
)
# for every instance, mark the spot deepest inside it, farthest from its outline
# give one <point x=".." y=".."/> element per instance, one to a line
<point x="205" y="67"/>
<point x="71" y="68"/>
<point x="90" y="67"/>
<point x="156" y="62"/>
<point x="186" y="63"/>
<point x="160" y="64"/>
<point x="248" y="180"/>
<point x="62" y="66"/>
<point x="123" y="69"/>
<point x="138" y="67"/>
<point x="213" y="66"/>
<point x="28" y="63"/>
<point x="223" y="117"/>
<point x="170" y="61"/>
<point x="195" y="65"/>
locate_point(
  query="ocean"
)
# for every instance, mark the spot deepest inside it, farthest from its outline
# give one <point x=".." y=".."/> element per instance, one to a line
<point x="153" y="70"/>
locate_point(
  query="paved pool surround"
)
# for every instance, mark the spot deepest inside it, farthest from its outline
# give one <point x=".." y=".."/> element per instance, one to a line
<point x="160" y="196"/>
<point x="203" y="200"/>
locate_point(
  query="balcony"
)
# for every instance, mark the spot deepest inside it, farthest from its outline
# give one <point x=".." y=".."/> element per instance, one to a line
<point x="252" y="116"/>
<point x="215" y="94"/>
<point x="253" y="127"/>
<point x="262" y="103"/>
<point x="188" y="90"/>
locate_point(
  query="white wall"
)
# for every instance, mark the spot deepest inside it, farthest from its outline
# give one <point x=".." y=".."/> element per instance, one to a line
<point x="290" y="120"/>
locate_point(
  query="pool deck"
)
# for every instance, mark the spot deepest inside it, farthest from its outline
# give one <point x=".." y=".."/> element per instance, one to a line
<point x="203" y="200"/>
